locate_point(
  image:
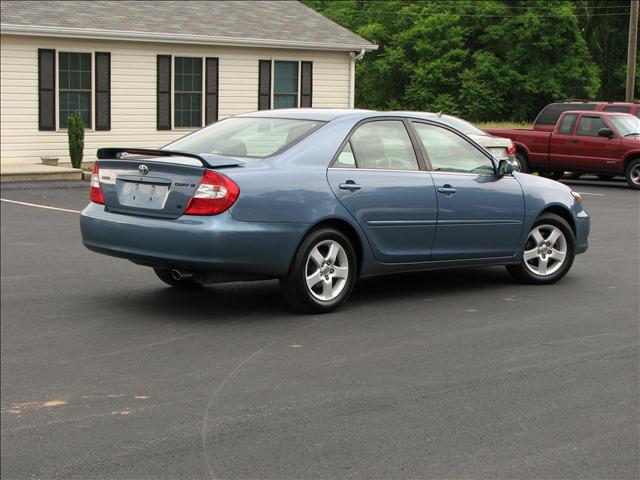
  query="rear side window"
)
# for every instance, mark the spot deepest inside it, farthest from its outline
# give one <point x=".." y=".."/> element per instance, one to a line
<point x="590" y="126"/>
<point x="618" y="108"/>
<point x="550" y="114"/>
<point x="568" y="121"/>
<point x="383" y="144"/>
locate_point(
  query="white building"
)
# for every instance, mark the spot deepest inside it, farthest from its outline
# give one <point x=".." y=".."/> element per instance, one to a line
<point x="143" y="73"/>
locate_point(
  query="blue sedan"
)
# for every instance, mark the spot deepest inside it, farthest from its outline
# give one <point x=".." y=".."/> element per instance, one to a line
<point x="319" y="198"/>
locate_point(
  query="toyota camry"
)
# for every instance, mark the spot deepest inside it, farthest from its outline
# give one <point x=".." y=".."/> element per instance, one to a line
<point x="320" y="198"/>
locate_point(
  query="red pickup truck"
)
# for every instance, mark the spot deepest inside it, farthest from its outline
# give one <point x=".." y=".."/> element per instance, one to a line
<point x="605" y="143"/>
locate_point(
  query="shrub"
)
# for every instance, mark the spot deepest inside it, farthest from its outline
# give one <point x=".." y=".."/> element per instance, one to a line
<point x="75" y="131"/>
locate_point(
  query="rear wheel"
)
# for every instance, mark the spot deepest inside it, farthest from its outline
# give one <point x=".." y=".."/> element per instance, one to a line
<point x="520" y="163"/>
<point x="322" y="274"/>
<point x="633" y="174"/>
<point x="548" y="253"/>
<point x="166" y="276"/>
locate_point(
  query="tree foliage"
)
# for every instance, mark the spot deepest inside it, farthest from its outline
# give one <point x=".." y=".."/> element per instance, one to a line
<point x="483" y="59"/>
<point x="75" y="132"/>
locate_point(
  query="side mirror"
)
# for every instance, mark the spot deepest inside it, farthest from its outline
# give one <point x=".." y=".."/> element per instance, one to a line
<point x="605" y="132"/>
<point x="504" y="168"/>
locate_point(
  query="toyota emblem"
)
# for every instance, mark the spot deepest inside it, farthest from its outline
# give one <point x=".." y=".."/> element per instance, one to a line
<point x="143" y="169"/>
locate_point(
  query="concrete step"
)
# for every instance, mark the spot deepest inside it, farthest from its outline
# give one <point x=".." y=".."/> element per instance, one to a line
<point x="33" y="172"/>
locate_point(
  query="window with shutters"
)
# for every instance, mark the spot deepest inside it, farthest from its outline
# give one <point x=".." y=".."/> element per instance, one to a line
<point x="284" y="84"/>
<point x="188" y="92"/>
<point x="74" y="80"/>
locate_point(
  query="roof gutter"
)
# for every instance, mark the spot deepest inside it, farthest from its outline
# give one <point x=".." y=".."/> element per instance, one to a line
<point x="122" y="35"/>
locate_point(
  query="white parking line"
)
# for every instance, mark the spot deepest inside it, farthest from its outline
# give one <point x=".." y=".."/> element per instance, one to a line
<point x="40" y="206"/>
<point x="594" y="194"/>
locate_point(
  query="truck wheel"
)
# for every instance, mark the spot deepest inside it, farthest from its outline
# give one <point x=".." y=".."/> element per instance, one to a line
<point x="548" y="252"/>
<point x="633" y="174"/>
<point x="322" y="274"/>
<point x="521" y="165"/>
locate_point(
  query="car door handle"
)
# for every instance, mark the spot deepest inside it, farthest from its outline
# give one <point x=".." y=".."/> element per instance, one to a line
<point x="349" y="185"/>
<point x="447" y="189"/>
<point x="575" y="141"/>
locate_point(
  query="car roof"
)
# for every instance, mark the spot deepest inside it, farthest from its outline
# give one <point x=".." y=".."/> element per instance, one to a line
<point x="328" y="114"/>
<point x="594" y="112"/>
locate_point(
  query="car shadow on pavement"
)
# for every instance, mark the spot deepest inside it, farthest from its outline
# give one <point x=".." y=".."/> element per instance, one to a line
<point x="251" y="301"/>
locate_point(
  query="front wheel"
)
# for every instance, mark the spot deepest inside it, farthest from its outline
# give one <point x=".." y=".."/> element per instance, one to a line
<point x="548" y="253"/>
<point x="632" y="174"/>
<point x="322" y="274"/>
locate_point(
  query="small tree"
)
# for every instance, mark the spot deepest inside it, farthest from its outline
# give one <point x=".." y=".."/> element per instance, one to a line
<point x="75" y="131"/>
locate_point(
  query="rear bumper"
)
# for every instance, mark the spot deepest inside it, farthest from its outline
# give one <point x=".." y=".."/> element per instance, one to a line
<point x="210" y="244"/>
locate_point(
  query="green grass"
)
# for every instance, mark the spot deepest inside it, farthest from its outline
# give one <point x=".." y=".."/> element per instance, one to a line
<point x="504" y="124"/>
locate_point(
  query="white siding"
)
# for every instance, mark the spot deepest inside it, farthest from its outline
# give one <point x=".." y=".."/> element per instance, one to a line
<point x="133" y="91"/>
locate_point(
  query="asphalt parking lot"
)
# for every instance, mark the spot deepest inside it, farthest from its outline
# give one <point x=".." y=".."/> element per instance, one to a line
<point x="107" y="373"/>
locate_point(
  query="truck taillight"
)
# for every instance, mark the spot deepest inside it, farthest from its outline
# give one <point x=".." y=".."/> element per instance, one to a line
<point x="215" y="194"/>
<point x="95" y="194"/>
<point x="511" y="149"/>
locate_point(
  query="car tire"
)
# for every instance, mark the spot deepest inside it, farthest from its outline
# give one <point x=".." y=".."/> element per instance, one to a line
<point x="165" y="275"/>
<point x="521" y="158"/>
<point x="549" y="233"/>
<point x="572" y="175"/>
<point x="632" y="175"/>
<point x="322" y="274"/>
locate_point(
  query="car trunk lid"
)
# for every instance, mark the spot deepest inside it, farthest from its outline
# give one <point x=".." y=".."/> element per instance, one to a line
<point x="156" y="183"/>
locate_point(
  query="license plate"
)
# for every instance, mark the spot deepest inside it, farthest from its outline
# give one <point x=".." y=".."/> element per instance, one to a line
<point x="143" y="195"/>
<point x="498" y="152"/>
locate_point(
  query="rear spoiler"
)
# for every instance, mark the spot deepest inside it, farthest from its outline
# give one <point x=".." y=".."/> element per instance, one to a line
<point x="206" y="159"/>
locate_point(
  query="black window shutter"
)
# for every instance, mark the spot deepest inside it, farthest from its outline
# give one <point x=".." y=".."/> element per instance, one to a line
<point x="163" y="107"/>
<point x="103" y="91"/>
<point x="46" y="89"/>
<point x="264" y="85"/>
<point x="306" y="84"/>
<point x="211" y="99"/>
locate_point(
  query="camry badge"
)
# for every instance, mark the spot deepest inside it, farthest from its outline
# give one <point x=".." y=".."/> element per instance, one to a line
<point x="143" y="169"/>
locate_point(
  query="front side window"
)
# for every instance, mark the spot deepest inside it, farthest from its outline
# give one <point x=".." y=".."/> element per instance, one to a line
<point x="74" y="80"/>
<point x="383" y="144"/>
<point x="188" y="92"/>
<point x="245" y="137"/>
<point x="590" y="126"/>
<point x="566" y="126"/>
<point x="285" y="84"/>
<point x="449" y="152"/>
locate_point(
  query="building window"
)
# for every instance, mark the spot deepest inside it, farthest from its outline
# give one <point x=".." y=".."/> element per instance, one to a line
<point x="188" y="92"/>
<point x="285" y="84"/>
<point x="74" y="74"/>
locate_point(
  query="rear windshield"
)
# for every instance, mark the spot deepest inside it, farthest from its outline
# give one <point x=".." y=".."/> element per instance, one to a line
<point x="550" y="114"/>
<point x="245" y="137"/>
<point x="462" y="125"/>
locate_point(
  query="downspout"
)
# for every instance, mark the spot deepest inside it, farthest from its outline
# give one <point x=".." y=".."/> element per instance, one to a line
<point x="352" y="75"/>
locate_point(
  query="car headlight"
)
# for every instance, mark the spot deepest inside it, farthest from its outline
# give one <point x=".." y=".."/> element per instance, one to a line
<point x="577" y="196"/>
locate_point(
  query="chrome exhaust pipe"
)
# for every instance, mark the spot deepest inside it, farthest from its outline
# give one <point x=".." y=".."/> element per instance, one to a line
<point x="178" y="275"/>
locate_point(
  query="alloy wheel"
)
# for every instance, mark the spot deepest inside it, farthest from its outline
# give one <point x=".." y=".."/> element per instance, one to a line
<point x="327" y="270"/>
<point x="545" y="251"/>
<point x="635" y="174"/>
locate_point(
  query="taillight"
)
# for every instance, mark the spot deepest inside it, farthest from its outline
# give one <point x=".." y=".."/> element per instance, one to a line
<point x="95" y="194"/>
<point x="215" y="194"/>
<point x="511" y="149"/>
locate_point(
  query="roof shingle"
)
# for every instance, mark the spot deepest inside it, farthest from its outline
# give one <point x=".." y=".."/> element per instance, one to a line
<point x="284" y="23"/>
